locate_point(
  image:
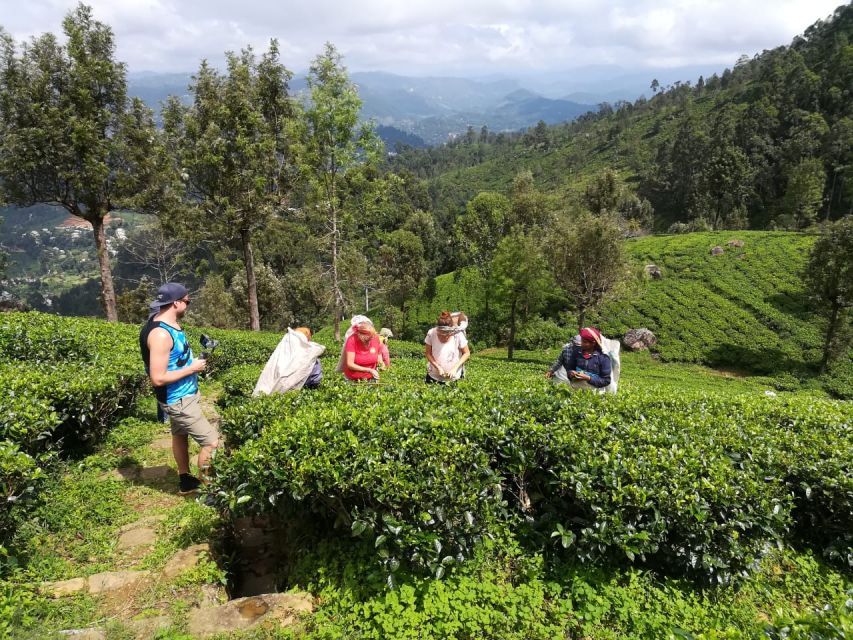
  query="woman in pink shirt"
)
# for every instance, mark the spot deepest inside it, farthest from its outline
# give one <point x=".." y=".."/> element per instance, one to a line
<point x="361" y="353"/>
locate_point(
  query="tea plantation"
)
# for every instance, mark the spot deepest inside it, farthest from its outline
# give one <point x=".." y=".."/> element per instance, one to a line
<point x="744" y="310"/>
<point x="694" y="504"/>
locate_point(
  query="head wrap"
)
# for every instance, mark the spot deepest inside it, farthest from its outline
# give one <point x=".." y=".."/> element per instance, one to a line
<point x="365" y="328"/>
<point x="591" y="333"/>
<point x="447" y="331"/>
<point x="353" y="325"/>
<point x="357" y="320"/>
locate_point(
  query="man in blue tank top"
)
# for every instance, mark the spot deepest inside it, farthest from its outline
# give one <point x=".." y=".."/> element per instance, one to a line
<point x="173" y="372"/>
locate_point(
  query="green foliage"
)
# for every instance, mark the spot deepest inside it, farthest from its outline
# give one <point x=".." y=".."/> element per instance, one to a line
<point x="681" y="482"/>
<point x="462" y="290"/>
<point x="233" y="149"/>
<point x="538" y="600"/>
<point x="69" y="135"/>
<point x="401" y="266"/>
<point x="522" y="280"/>
<point x="66" y="383"/>
<point x="827" y="623"/>
<point x="331" y="149"/>
<point x="804" y="192"/>
<point x="238" y="383"/>
<point x="588" y="259"/>
<point x="829" y="278"/>
<point x="538" y="334"/>
<point x="747" y="309"/>
<point x="721" y="150"/>
<point x="481" y="227"/>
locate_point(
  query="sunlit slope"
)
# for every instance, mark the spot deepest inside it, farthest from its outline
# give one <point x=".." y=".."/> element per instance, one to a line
<point x="746" y="308"/>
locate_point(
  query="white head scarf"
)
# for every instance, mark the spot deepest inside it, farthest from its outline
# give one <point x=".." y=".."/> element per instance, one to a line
<point x="353" y="324"/>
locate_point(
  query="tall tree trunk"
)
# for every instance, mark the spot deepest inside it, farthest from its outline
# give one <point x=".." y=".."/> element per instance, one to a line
<point x="581" y="317"/>
<point x="511" y="346"/>
<point x="108" y="292"/>
<point x="251" y="282"/>
<point x="830" y="336"/>
<point x="336" y="289"/>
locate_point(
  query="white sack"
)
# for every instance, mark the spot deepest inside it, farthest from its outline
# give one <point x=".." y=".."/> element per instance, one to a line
<point x="289" y="365"/>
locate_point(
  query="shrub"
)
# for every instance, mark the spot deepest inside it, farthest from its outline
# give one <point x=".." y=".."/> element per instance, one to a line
<point x="539" y="334"/>
<point x="238" y="383"/>
<point x="688" y="483"/>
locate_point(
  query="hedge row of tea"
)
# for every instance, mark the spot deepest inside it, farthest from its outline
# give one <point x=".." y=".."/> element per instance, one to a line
<point x="66" y="381"/>
<point x="746" y="309"/>
<point x="684" y="482"/>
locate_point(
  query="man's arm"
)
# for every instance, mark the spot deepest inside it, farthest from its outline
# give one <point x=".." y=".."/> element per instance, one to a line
<point x="159" y="346"/>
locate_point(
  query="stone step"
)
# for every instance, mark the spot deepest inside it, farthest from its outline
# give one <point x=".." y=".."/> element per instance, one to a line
<point x="113" y="580"/>
<point x="185" y="559"/>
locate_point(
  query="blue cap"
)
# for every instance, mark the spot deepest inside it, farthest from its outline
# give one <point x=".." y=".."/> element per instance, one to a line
<point x="167" y="294"/>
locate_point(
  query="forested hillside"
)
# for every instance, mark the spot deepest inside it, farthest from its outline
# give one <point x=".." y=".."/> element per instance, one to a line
<point x="767" y="143"/>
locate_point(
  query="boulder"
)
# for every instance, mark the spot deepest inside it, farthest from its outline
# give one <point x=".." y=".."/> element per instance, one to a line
<point x="717" y="251"/>
<point x="653" y="271"/>
<point x="639" y="339"/>
<point x="735" y="243"/>
<point x="243" y="613"/>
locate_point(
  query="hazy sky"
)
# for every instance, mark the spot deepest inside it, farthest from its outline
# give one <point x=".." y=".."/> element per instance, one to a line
<point x="447" y="37"/>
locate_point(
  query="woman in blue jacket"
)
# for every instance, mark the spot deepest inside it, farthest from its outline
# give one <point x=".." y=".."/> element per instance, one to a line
<point x="586" y="363"/>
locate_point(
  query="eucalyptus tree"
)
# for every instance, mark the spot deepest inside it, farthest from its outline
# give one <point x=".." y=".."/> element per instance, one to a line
<point x="829" y="281"/>
<point x="233" y="149"/>
<point x="333" y="145"/>
<point x="522" y="279"/>
<point x="69" y="134"/>
<point x="588" y="259"/>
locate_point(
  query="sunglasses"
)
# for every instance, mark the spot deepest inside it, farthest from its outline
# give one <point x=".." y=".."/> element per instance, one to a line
<point x="185" y="301"/>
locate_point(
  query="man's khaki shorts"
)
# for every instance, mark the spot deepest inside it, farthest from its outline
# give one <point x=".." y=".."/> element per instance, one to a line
<point x="187" y="419"/>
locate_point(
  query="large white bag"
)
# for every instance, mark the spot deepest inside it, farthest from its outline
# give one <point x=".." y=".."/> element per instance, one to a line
<point x="612" y="348"/>
<point x="289" y="365"/>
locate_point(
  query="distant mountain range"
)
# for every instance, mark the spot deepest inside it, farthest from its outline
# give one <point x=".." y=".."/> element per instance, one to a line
<point x="430" y="110"/>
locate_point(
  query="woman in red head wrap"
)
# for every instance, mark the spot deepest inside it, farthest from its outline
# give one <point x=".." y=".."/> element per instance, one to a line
<point x="586" y="363"/>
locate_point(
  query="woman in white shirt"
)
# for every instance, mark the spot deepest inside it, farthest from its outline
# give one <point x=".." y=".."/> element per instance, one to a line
<point x="446" y="351"/>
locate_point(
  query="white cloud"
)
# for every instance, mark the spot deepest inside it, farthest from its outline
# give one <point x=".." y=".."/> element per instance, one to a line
<point x="436" y="36"/>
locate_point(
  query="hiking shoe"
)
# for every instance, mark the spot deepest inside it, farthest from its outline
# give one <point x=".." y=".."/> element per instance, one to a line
<point x="188" y="484"/>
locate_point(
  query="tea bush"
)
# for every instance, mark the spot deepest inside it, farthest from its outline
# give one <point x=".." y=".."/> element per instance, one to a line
<point x="238" y="382"/>
<point x="687" y="482"/>
<point x="66" y="381"/>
